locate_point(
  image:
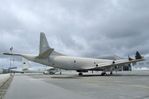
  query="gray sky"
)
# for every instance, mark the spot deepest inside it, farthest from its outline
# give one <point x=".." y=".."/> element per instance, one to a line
<point x="76" y="27"/>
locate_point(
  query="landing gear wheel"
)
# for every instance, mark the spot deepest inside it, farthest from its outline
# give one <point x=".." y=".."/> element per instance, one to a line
<point x="80" y="74"/>
<point x="60" y="73"/>
<point x="111" y="73"/>
<point x="103" y="73"/>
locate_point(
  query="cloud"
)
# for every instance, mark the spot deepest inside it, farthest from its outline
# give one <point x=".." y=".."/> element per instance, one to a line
<point x="76" y="27"/>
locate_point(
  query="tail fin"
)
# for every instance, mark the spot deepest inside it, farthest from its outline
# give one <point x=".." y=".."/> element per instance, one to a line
<point x="44" y="49"/>
<point x="44" y="46"/>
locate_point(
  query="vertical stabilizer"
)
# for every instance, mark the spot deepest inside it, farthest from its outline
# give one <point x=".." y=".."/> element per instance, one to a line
<point x="44" y="49"/>
<point x="44" y="46"/>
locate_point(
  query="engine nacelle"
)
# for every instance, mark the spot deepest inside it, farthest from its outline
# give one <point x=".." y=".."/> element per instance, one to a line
<point x="82" y="70"/>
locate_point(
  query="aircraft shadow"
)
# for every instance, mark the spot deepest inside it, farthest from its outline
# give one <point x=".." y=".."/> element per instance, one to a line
<point x="96" y="75"/>
<point x="90" y="75"/>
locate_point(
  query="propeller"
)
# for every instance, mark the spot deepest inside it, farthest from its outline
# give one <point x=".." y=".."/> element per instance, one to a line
<point x="129" y="58"/>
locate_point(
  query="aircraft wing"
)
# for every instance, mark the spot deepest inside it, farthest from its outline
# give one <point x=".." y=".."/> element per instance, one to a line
<point x="107" y="66"/>
<point x="120" y="63"/>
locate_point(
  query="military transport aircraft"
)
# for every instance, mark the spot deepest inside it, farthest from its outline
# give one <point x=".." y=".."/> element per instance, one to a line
<point x="48" y="56"/>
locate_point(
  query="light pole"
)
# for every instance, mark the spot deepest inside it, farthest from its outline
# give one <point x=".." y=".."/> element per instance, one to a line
<point x="11" y="48"/>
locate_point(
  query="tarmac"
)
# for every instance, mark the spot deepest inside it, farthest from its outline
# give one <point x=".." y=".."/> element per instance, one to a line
<point x="123" y="85"/>
<point x="5" y="80"/>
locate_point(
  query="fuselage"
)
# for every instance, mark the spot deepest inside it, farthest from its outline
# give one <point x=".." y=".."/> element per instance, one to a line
<point x="73" y="63"/>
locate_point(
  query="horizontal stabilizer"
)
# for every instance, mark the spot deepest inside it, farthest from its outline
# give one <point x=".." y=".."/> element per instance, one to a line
<point x="22" y="55"/>
<point x="12" y="54"/>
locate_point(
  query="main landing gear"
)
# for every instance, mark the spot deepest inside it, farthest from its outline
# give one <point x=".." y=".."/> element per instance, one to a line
<point x="103" y="73"/>
<point x="80" y="74"/>
<point x="111" y="73"/>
